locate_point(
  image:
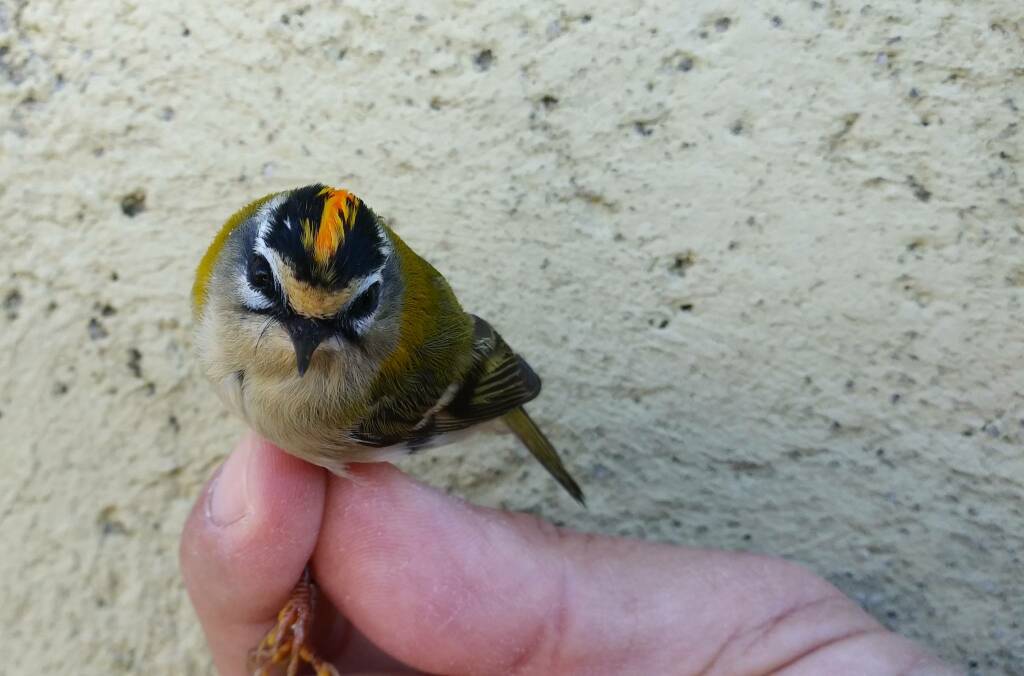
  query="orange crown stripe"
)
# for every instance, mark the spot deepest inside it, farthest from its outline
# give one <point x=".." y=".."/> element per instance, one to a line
<point x="339" y="213"/>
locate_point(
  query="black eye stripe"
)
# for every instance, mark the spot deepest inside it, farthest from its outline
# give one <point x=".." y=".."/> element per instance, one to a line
<point x="364" y="304"/>
<point x="259" y="275"/>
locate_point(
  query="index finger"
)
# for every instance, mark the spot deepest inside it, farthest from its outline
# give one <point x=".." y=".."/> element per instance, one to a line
<point x="450" y="588"/>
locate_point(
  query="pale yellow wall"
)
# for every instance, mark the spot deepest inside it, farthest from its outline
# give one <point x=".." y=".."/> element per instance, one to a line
<point x="834" y="195"/>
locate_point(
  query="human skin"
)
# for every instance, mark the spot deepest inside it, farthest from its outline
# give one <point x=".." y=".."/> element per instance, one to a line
<point x="422" y="581"/>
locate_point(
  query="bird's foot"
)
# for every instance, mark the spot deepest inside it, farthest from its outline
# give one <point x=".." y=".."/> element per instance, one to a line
<point x="289" y="643"/>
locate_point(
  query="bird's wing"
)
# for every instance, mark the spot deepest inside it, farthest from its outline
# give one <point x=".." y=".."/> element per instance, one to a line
<point x="497" y="381"/>
<point x="498" y="384"/>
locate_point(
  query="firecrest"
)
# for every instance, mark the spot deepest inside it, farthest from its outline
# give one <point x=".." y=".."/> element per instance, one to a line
<point x="332" y="338"/>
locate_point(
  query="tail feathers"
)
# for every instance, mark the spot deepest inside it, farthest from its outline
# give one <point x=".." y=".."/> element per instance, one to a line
<point x="541" y="448"/>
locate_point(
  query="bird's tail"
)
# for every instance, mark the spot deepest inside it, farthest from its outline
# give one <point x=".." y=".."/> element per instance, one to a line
<point x="541" y="448"/>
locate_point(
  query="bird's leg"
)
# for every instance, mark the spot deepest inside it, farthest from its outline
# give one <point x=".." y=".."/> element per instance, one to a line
<point x="289" y="642"/>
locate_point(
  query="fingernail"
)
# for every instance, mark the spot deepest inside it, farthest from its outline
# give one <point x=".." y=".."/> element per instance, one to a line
<point x="229" y="495"/>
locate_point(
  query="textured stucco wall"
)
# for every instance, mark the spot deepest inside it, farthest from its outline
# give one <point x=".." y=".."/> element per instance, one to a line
<point x="766" y="256"/>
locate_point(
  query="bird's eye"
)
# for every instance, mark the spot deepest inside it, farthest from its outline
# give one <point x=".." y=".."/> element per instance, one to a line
<point x="260" y="276"/>
<point x="365" y="304"/>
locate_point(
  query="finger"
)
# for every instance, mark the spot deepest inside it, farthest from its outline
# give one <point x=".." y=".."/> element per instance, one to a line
<point x="245" y="544"/>
<point x="449" y="588"/>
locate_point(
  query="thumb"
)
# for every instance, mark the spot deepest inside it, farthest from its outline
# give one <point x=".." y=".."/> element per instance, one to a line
<point x="246" y="543"/>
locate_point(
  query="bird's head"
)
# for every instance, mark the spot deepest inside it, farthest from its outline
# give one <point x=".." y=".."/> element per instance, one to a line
<point x="310" y="263"/>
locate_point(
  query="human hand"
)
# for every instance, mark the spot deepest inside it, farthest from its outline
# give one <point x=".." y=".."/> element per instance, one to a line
<point x="422" y="581"/>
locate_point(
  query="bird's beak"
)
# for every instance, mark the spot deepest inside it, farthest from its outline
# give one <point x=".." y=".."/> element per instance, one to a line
<point x="306" y="336"/>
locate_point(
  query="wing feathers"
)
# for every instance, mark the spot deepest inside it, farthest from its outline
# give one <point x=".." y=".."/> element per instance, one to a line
<point x="497" y="384"/>
<point x="497" y="381"/>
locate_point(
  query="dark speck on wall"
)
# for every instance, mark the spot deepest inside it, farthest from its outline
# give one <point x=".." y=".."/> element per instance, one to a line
<point x="920" y="192"/>
<point x="134" y="203"/>
<point x="12" y="301"/>
<point x="722" y="24"/>
<point x="109" y="523"/>
<point x="96" y="329"/>
<point x="135" y="362"/>
<point x="483" y="60"/>
<point x="683" y="262"/>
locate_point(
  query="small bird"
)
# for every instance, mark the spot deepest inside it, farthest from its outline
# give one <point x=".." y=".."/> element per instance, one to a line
<point x="333" y="339"/>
